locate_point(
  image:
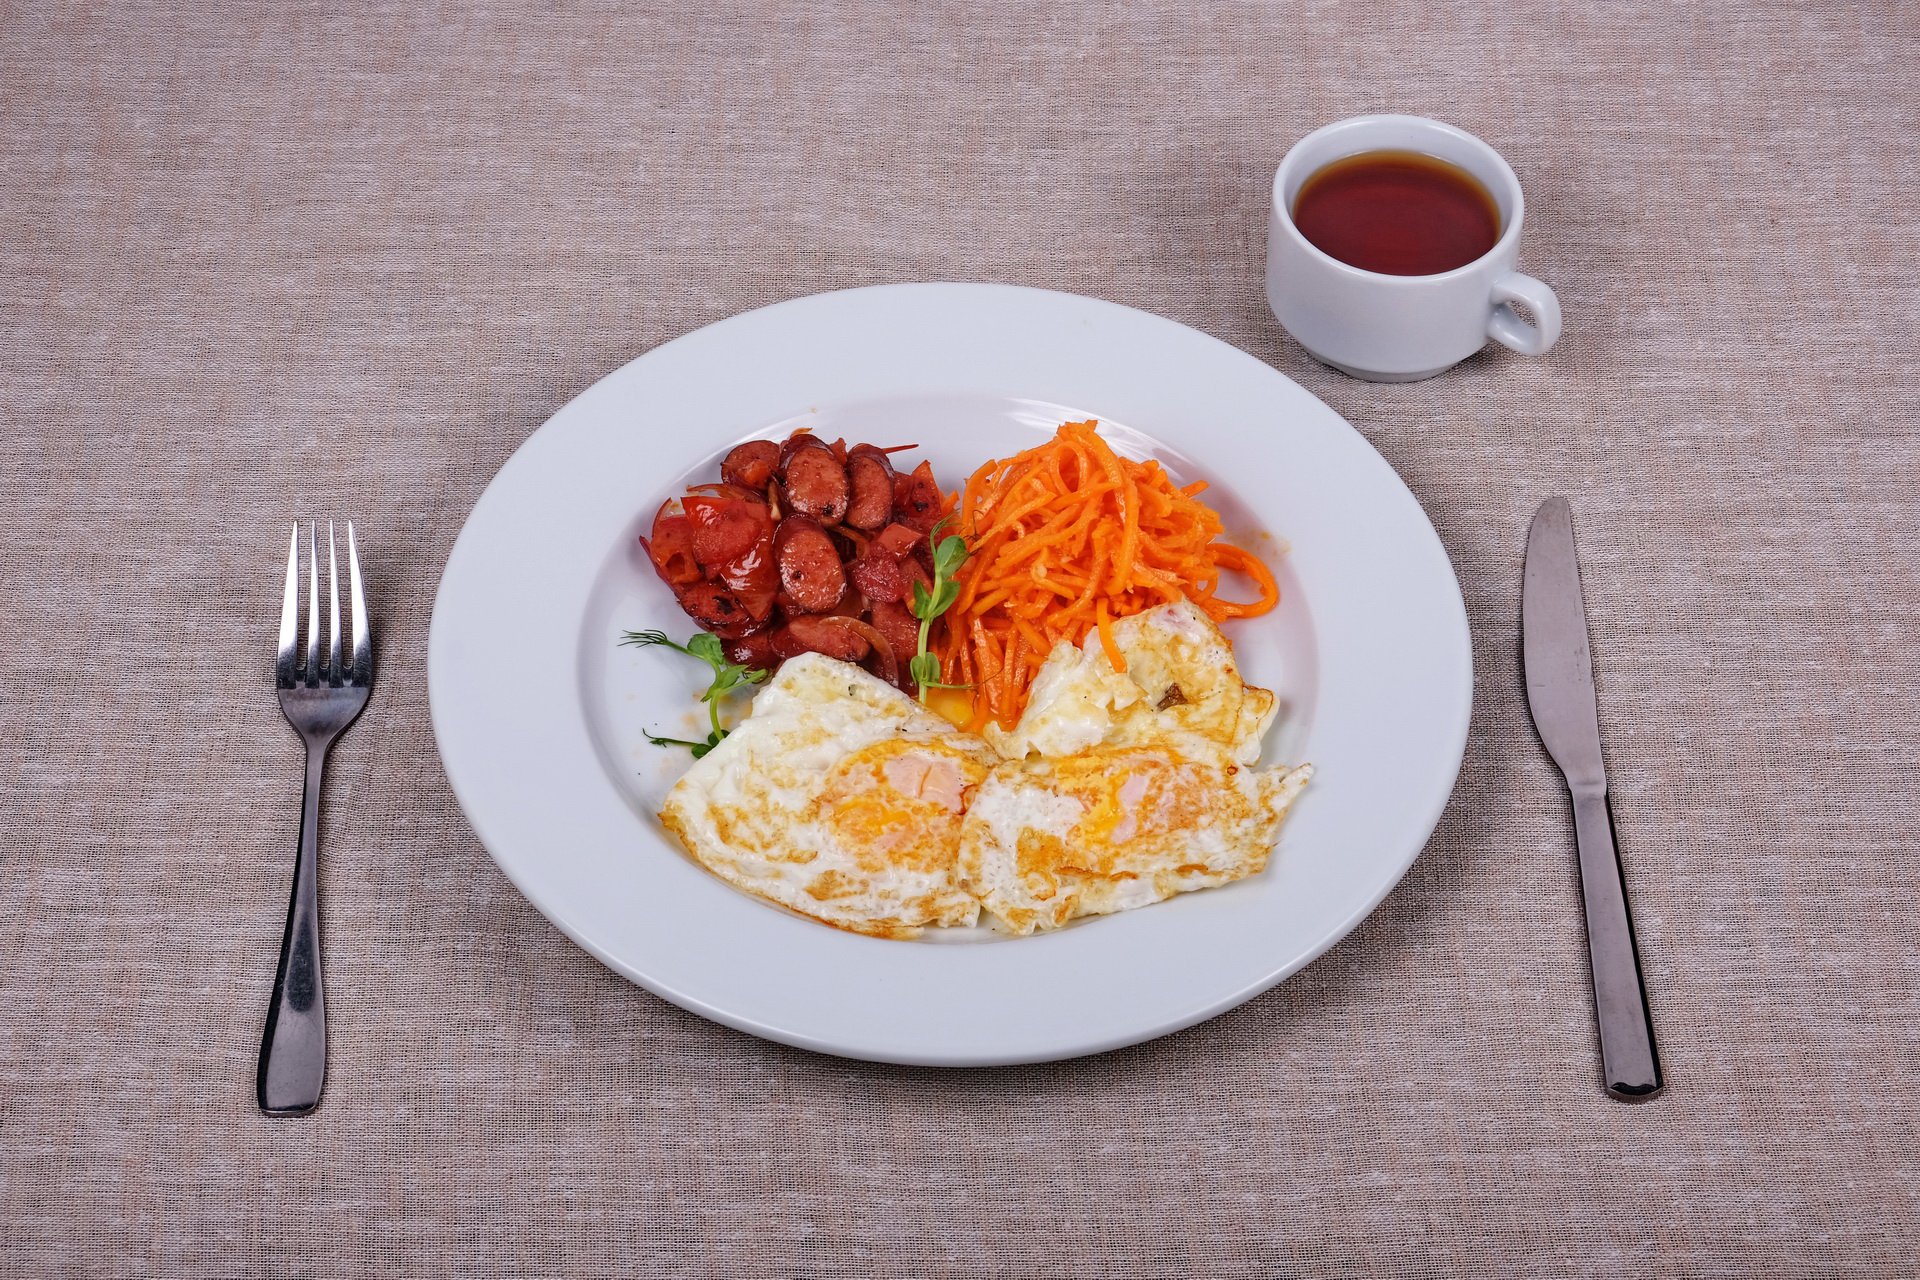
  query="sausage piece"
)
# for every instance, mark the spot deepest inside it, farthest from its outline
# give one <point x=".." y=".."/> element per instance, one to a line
<point x="870" y="480"/>
<point x="902" y="631"/>
<point x="817" y="484"/>
<point x="810" y="571"/>
<point x="751" y="465"/>
<point x="878" y="577"/>
<point x="801" y="439"/>
<point x="719" y="610"/>
<point x="755" y="650"/>
<point x="808" y="634"/>
<point x="911" y="572"/>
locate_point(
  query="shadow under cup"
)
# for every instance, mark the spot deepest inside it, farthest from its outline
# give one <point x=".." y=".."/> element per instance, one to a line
<point x="1387" y="328"/>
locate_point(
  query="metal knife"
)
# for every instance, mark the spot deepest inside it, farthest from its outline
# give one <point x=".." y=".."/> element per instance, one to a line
<point x="1560" y="692"/>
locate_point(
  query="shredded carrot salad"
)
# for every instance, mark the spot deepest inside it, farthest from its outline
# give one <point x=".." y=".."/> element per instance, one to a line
<point x="1064" y="539"/>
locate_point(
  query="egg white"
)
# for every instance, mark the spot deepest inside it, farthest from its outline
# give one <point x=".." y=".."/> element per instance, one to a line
<point x="1117" y="826"/>
<point x="838" y="797"/>
<point x="843" y="799"/>
<point x="1181" y="677"/>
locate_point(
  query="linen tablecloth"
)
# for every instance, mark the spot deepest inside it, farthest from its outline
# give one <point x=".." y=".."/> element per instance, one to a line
<point x="265" y="260"/>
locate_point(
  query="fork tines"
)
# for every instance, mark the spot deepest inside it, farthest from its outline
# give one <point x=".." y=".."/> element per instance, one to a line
<point x="292" y="670"/>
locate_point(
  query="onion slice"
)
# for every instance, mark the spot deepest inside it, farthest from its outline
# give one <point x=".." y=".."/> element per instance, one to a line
<point x="889" y="665"/>
<point x="858" y="539"/>
<point x="724" y="490"/>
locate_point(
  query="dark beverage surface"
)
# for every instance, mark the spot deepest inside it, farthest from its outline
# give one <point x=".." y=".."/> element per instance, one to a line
<point x="1400" y="213"/>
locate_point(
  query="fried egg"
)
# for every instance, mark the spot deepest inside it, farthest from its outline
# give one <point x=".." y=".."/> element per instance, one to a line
<point x="1181" y="678"/>
<point x="839" y="797"/>
<point x="1125" y="788"/>
<point x="845" y="800"/>
<point x="1116" y="826"/>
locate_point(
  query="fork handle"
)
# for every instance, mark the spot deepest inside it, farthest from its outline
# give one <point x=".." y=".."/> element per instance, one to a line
<point x="293" y="1050"/>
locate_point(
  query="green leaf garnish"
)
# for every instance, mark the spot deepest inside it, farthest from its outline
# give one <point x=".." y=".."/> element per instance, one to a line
<point x="698" y="748"/>
<point x="949" y="553"/>
<point x="727" y="676"/>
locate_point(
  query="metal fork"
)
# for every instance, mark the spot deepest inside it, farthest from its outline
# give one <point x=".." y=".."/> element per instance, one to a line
<point x="319" y="699"/>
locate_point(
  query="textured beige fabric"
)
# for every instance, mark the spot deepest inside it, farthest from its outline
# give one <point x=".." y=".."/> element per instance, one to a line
<point x="260" y="260"/>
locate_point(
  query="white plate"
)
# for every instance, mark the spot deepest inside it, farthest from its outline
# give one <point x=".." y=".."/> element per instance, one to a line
<point x="539" y="716"/>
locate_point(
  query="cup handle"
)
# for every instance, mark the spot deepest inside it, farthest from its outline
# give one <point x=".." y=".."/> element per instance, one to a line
<point x="1509" y="329"/>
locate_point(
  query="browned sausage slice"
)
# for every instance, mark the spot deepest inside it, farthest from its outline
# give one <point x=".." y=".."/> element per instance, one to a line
<point x="902" y="631"/>
<point x="817" y="484"/>
<point x="751" y="465"/>
<point x="810" y="570"/>
<point x="801" y="439"/>
<point x="755" y="650"/>
<point x="719" y="610"/>
<point x="807" y="634"/>
<point x="870" y="477"/>
<point x="912" y="571"/>
<point x="878" y="577"/>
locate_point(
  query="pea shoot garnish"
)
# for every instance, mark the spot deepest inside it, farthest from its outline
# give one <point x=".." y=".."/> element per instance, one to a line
<point x="949" y="553"/>
<point x="727" y="676"/>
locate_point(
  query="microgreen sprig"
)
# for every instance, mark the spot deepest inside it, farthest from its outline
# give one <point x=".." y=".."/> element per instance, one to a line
<point x="727" y="676"/>
<point x="949" y="553"/>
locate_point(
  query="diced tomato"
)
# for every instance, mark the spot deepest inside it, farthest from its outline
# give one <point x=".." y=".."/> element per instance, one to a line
<point x="725" y="528"/>
<point x="917" y="498"/>
<point x="898" y="539"/>
<point x="670" y="547"/>
<point x="754" y="575"/>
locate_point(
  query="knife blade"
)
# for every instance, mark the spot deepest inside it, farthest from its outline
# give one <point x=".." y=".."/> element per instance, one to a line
<point x="1559" y="668"/>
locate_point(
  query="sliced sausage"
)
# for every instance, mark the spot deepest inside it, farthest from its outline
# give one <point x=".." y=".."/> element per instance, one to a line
<point x="870" y="482"/>
<point x="917" y="499"/>
<point x="755" y="650"/>
<point x="799" y="440"/>
<point x="810" y="571"/>
<point x="718" y="610"/>
<point x="911" y="572"/>
<point x="751" y="465"/>
<point x="817" y="485"/>
<point x="878" y="577"/>
<point x="902" y="631"/>
<point x="807" y="634"/>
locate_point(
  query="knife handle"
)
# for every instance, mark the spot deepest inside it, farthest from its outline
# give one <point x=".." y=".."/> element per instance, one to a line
<point x="1627" y="1052"/>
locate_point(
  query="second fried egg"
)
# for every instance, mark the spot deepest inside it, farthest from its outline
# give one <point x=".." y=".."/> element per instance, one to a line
<point x="1118" y="826"/>
<point x="1180" y="677"/>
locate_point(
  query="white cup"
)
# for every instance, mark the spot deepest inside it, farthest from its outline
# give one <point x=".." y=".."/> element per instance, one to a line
<point x="1402" y="328"/>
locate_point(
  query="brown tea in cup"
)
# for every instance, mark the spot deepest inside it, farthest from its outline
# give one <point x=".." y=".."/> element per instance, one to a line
<point x="1399" y="213"/>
